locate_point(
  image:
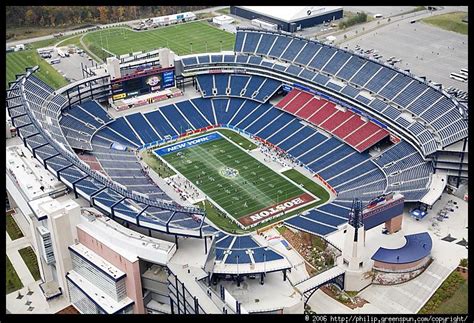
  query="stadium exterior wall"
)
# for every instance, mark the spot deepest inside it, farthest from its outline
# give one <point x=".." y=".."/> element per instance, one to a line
<point x="285" y="25"/>
<point x="400" y="267"/>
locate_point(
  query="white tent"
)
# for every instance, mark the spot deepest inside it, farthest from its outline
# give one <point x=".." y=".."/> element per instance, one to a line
<point x="223" y="20"/>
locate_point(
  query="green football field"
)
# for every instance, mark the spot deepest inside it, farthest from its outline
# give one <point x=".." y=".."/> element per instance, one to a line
<point x="18" y="61"/>
<point x="183" y="39"/>
<point x="233" y="179"/>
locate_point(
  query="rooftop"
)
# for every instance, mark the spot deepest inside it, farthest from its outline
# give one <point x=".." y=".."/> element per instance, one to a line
<point x="291" y="13"/>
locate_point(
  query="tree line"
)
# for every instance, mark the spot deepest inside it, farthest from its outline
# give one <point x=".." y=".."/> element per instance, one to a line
<point x="65" y="16"/>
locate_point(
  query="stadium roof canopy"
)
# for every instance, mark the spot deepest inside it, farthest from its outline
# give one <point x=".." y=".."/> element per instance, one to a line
<point x="290" y="13"/>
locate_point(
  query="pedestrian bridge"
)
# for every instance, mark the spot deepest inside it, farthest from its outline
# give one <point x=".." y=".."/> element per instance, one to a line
<point x="334" y="275"/>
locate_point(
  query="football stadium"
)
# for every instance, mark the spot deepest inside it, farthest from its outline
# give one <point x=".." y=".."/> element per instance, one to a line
<point x="195" y="171"/>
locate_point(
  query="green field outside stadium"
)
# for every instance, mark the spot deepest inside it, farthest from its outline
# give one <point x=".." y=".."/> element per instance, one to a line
<point x="232" y="178"/>
<point x="183" y="39"/>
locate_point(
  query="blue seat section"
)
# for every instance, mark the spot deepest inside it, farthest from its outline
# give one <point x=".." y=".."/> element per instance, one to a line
<point x="378" y="105"/>
<point x="291" y="127"/>
<point x="205" y="107"/>
<point x="242" y="58"/>
<point x="307" y="53"/>
<point x="121" y="126"/>
<point x="234" y="105"/>
<point x="96" y="109"/>
<point x="203" y="59"/>
<point x="394" y="87"/>
<point x="336" y="62"/>
<point x="229" y="58"/>
<point x="307" y="74"/>
<point x="365" y="73"/>
<point x="159" y="123"/>
<point x="224" y="243"/>
<point x="303" y="224"/>
<point x="251" y="117"/>
<point x="316" y="139"/>
<point x="251" y="42"/>
<point x="205" y="82"/>
<point x="261" y="255"/>
<point x="221" y="81"/>
<point x="216" y="58"/>
<point x="321" y="79"/>
<point x="111" y="137"/>
<point x="333" y="157"/>
<point x="192" y="114"/>
<point x="363" y="99"/>
<point x="410" y="93"/>
<point x="239" y="42"/>
<point x="142" y="128"/>
<point x="335" y="209"/>
<point x="297" y="138"/>
<point x="237" y="83"/>
<point x="351" y="68"/>
<point x="294" y="70"/>
<point x="343" y="175"/>
<point x="266" y="119"/>
<point x="343" y="164"/>
<point x="421" y="104"/>
<point x="324" y="218"/>
<point x="279" y="67"/>
<point x="279" y="46"/>
<point x="253" y="85"/>
<point x="80" y="114"/>
<point x="319" y="151"/>
<point x="293" y="49"/>
<point x="178" y="121"/>
<point x="255" y="60"/>
<point x="238" y="257"/>
<point x="265" y="44"/>
<point x="245" y="110"/>
<point x="244" y="242"/>
<point x="380" y="79"/>
<point x="322" y="58"/>
<point x="188" y="61"/>
<point x="220" y="107"/>
<point x="277" y="124"/>
<point x="334" y="86"/>
<point x="269" y="87"/>
<point x="350" y="91"/>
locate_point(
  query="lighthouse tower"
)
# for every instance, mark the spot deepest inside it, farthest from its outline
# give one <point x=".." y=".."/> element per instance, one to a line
<point x="354" y="259"/>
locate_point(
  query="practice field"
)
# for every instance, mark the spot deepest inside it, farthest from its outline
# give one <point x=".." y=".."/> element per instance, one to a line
<point x="18" y="61"/>
<point x="183" y="39"/>
<point x="245" y="188"/>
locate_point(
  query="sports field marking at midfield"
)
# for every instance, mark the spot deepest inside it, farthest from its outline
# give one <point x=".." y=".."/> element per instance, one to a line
<point x="231" y="178"/>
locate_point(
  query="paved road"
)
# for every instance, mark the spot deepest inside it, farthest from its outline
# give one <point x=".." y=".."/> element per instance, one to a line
<point x="77" y="31"/>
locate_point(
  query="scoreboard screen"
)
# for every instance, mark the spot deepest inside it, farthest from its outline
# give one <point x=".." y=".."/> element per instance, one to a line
<point x="148" y="82"/>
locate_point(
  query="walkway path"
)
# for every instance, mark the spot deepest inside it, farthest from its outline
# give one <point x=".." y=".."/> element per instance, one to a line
<point x="16" y="260"/>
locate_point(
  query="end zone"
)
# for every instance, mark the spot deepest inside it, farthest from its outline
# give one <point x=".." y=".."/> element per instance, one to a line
<point x="277" y="209"/>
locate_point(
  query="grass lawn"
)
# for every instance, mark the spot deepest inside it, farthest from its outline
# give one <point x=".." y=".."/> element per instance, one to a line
<point x="308" y="184"/>
<point x="449" y="21"/>
<point x="12" y="228"/>
<point x="449" y="298"/>
<point x="13" y="282"/>
<point x="238" y="139"/>
<point x="157" y="165"/>
<point x="179" y="38"/>
<point x="18" y="61"/>
<point x="29" y="257"/>
<point x="219" y="219"/>
<point x="224" y="11"/>
<point x="71" y="40"/>
<point x="253" y="188"/>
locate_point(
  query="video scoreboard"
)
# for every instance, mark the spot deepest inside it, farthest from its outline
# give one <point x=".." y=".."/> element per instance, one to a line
<point x="143" y="82"/>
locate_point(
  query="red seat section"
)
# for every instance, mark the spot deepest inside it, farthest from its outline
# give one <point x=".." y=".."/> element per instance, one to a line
<point x="319" y="117"/>
<point x="287" y="99"/>
<point x="375" y="138"/>
<point x="310" y="108"/>
<point x="331" y="123"/>
<point x="348" y="126"/>
<point x="300" y="100"/>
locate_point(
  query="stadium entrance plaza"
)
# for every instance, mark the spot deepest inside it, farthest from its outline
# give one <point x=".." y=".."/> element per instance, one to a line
<point x="407" y="297"/>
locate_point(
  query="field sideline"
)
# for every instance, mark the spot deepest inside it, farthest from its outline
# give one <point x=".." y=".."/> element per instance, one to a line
<point x="254" y="187"/>
<point x="183" y="39"/>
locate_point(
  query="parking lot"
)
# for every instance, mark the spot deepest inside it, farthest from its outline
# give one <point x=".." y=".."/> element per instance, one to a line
<point x="70" y="67"/>
<point x="424" y="49"/>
